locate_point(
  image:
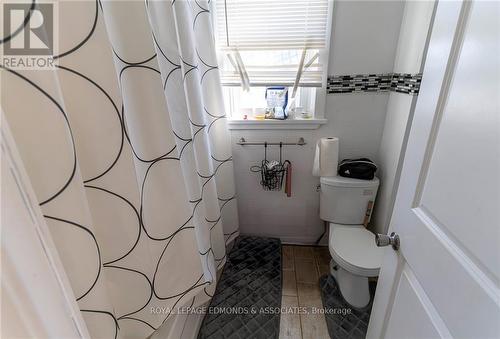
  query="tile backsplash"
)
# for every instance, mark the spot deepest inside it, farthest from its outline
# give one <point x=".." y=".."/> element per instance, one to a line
<point x="396" y="82"/>
<point x="406" y="83"/>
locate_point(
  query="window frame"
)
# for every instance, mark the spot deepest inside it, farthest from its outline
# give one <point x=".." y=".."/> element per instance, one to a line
<point x="319" y="109"/>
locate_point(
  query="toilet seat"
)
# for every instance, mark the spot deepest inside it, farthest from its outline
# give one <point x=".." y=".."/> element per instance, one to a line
<point x="353" y="248"/>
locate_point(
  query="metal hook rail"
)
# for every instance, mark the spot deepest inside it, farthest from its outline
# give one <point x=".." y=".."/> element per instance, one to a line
<point x="243" y="142"/>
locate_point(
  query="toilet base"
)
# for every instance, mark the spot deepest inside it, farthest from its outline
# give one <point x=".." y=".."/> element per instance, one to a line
<point x="354" y="288"/>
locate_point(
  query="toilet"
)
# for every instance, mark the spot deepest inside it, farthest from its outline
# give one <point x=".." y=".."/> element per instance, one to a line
<point x="347" y="204"/>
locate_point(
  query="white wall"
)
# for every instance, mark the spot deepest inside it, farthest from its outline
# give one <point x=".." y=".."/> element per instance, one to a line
<point x="364" y="37"/>
<point x="364" y="40"/>
<point x="409" y="59"/>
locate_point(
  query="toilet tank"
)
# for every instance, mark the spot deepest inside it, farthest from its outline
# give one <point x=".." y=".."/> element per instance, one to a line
<point x="347" y="201"/>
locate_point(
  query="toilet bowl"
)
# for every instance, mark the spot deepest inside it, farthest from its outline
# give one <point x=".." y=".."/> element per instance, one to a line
<point x="355" y="258"/>
<point x="347" y="204"/>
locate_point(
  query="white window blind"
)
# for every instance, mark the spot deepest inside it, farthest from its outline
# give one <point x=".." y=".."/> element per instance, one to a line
<point x="265" y="39"/>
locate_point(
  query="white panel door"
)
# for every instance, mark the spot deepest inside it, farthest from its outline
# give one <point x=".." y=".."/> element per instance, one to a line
<point x="444" y="282"/>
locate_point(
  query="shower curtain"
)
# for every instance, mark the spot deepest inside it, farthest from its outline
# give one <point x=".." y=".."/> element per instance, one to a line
<point x="126" y="147"/>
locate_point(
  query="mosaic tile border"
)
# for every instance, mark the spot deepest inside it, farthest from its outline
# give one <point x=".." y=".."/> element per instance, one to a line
<point x="406" y="83"/>
<point x="395" y="82"/>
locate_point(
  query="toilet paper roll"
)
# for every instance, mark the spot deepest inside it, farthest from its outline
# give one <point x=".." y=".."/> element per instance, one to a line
<point x="326" y="158"/>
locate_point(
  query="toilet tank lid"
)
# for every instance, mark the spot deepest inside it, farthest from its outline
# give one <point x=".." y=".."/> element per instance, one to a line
<point x="339" y="181"/>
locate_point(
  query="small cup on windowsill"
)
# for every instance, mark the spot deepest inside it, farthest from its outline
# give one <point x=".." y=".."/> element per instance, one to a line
<point x="259" y="113"/>
<point x="305" y="115"/>
<point x="300" y="113"/>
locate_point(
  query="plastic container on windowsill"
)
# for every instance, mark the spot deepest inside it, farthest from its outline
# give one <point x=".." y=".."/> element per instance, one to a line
<point x="299" y="113"/>
<point x="252" y="113"/>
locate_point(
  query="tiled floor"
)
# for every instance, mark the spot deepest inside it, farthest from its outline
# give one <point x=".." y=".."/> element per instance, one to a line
<point x="302" y="267"/>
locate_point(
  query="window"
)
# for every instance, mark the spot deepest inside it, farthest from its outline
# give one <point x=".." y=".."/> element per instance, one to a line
<point x="264" y="43"/>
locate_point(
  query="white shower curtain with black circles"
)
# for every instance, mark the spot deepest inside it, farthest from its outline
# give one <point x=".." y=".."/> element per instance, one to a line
<point x="126" y="146"/>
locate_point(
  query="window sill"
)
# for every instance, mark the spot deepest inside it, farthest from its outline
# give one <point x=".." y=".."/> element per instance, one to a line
<point x="276" y="124"/>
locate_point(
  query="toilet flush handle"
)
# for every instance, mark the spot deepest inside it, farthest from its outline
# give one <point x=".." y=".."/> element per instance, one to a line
<point x="383" y="240"/>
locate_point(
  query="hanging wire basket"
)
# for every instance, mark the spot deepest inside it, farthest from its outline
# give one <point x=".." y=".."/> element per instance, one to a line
<point x="271" y="172"/>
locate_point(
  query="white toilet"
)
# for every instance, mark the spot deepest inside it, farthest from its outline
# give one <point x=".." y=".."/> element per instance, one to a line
<point x="347" y="203"/>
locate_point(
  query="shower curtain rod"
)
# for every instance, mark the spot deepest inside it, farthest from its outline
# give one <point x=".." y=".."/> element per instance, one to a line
<point x="243" y="142"/>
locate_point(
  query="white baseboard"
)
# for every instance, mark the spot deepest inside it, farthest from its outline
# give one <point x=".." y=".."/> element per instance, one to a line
<point x="296" y="240"/>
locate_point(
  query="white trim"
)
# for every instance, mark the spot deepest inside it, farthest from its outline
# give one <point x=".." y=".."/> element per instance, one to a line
<point x="192" y="326"/>
<point x="324" y="58"/>
<point x="318" y="102"/>
<point x="180" y="326"/>
<point x="276" y="124"/>
<point x="33" y="278"/>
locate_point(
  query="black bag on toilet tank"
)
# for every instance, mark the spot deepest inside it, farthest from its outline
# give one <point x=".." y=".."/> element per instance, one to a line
<point x="362" y="168"/>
